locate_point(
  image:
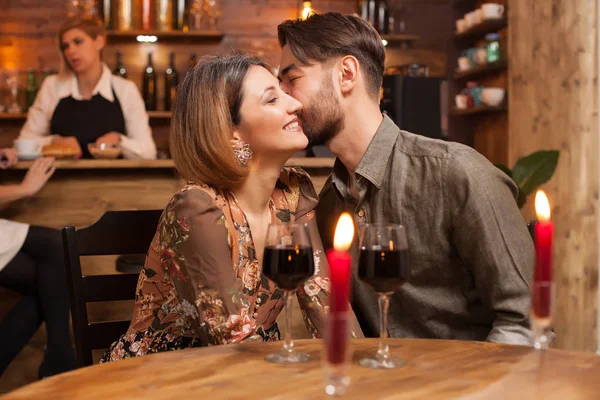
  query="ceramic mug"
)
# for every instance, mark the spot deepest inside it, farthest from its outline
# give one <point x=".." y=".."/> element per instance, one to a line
<point x="27" y="147"/>
<point x="461" y="101"/>
<point x="492" y="10"/>
<point x="464" y="63"/>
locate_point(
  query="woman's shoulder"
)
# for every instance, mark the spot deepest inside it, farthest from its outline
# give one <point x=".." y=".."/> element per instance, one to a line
<point x="196" y="198"/>
<point x="295" y="186"/>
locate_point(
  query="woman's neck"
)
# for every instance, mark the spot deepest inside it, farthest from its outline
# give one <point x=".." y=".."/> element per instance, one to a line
<point x="88" y="80"/>
<point x="254" y="194"/>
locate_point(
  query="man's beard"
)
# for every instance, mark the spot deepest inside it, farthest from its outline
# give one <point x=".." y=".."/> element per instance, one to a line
<point x="323" y="120"/>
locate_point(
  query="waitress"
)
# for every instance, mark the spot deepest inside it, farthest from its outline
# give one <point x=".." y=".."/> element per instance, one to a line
<point x="89" y="104"/>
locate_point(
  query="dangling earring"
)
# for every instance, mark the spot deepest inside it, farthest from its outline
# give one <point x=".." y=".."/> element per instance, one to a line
<point x="243" y="153"/>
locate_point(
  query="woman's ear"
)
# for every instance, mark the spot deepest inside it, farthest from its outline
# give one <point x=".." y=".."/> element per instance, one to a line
<point x="100" y="42"/>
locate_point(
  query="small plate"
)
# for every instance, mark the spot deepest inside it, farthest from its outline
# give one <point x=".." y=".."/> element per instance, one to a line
<point x="29" y="157"/>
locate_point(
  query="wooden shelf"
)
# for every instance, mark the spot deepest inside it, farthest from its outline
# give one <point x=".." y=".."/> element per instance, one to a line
<point x="22" y="116"/>
<point x="481" y="70"/>
<point x="478" y="110"/>
<point x="394" y="39"/>
<point x="308" y="162"/>
<point x="12" y="116"/>
<point x="478" y="31"/>
<point x="195" y="36"/>
<point x="159" y="114"/>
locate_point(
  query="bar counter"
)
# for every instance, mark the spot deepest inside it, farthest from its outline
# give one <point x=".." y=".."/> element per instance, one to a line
<point x="80" y="191"/>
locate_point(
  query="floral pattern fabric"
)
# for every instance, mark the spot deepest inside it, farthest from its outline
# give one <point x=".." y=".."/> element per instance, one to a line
<point x="202" y="284"/>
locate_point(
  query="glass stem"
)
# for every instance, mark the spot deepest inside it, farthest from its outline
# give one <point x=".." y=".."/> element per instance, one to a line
<point x="288" y="344"/>
<point x="383" y="353"/>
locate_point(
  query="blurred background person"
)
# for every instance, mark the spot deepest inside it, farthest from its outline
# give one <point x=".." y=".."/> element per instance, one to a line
<point x="32" y="264"/>
<point x="88" y="104"/>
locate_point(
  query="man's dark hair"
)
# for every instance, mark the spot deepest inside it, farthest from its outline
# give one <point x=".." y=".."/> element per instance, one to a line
<point x="323" y="37"/>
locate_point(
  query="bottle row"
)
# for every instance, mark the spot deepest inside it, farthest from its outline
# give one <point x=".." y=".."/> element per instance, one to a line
<point x="150" y="15"/>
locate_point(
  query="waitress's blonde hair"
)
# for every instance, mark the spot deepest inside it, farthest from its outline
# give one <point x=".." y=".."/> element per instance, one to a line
<point x="89" y="25"/>
<point x="206" y="110"/>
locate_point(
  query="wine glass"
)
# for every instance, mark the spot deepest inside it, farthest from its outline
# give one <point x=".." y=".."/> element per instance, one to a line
<point x="384" y="266"/>
<point x="542" y="304"/>
<point x="13" y="84"/>
<point x="288" y="261"/>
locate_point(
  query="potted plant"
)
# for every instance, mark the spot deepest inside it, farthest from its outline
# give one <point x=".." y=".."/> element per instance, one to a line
<point x="532" y="171"/>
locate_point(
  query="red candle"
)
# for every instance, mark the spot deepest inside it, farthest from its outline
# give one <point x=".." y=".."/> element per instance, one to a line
<point x="340" y="267"/>
<point x="544" y="229"/>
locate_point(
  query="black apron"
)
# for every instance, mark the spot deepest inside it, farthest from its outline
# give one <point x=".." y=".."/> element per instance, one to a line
<point x="87" y="120"/>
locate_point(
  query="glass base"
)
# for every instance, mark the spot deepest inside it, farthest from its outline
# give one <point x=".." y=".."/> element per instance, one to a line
<point x="336" y="385"/>
<point x="282" y="358"/>
<point x="384" y="364"/>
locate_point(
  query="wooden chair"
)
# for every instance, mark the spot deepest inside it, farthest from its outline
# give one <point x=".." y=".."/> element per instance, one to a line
<point x="115" y="233"/>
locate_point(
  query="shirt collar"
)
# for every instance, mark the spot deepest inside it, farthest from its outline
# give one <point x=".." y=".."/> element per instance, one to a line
<point x="372" y="165"/>
<point x="103" y="87"/>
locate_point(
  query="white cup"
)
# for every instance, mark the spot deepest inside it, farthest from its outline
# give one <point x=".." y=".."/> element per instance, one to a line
<point x="27" y="146"/>
<point x="492" y="10"/>
<point x="464" y="63"/>
<point x="470" y="19"/>
<point x="461" y="101"/>
<point x="478" y="16"/>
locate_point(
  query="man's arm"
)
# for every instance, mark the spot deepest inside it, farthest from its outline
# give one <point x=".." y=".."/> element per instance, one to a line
<point x="492" y="240"/>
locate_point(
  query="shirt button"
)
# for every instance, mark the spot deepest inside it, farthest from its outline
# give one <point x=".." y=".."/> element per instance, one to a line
<point x="255" y="315"/>
<point x="361" y="213"/>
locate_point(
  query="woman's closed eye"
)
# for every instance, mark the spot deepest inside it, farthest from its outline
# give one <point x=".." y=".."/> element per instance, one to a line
<point x="272" y="100"/>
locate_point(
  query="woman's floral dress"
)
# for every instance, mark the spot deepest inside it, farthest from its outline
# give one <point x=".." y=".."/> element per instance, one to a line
<point x="202" y="284"/>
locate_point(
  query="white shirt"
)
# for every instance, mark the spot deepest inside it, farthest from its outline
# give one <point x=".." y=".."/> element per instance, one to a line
<point x="12" y="237"/>
<point x="138" y="142"/>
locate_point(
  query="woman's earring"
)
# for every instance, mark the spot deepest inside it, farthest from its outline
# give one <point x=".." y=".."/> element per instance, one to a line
<point x="243" y="153"/>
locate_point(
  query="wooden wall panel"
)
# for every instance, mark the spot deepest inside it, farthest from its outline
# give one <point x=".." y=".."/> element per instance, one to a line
<point x="553" y="100"/>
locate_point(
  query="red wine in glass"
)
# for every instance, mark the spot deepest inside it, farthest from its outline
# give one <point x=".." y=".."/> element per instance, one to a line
<point x="384" y="266"/>
<point x="288" y="261"/>
<point x="288" y="266"/>
<point x="384" y="269"/>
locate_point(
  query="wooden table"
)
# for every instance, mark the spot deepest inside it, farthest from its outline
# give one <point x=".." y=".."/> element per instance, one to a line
<point x="436" y="369"/>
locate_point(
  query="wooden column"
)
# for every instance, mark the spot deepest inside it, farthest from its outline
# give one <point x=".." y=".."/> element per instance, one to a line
<point x="553" y="97"/>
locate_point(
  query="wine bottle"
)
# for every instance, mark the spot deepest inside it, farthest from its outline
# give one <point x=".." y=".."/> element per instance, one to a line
<point x="149" y="85"/>
<point x="30" y="90"/>
<point x="120" y="69"/>
<point x="171" y="82"/>
<point x="371" y="10"/>
<point x="383" y="16"/>
<point x="363" y="9"/>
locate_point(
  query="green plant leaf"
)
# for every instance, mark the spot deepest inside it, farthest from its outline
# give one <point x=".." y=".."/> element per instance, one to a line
<point x="504" y="169"/>
<point x="532" y="171"/>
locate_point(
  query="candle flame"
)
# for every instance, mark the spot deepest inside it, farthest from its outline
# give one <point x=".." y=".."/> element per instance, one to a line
<point x="542" y="206"/>
<point x="307" y="10"/>
<point x="344" y="233"/>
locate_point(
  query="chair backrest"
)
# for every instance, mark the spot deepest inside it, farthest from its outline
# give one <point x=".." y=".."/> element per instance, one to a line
<point x="115" y="233"/>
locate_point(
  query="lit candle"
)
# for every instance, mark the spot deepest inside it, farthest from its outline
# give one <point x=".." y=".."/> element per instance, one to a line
<point x="340" y="264"/>
<point x="340" y="267"/>
<point x="544" y="229"/>
<point x="541" y="296"/>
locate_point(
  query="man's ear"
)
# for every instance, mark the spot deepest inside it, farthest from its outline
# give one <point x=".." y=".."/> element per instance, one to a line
<point x="349" y="68"/>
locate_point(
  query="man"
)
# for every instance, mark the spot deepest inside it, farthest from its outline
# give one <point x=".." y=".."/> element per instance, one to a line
<point x="471" y="254"/>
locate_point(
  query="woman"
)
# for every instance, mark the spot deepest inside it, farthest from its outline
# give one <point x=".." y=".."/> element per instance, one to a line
<point x="89" y="104"/>
<point x="233" y="130"/>
<point x="32" y="264"/>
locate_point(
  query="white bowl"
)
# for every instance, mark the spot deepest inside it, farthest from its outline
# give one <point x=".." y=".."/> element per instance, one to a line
<point x="492" y="96"/>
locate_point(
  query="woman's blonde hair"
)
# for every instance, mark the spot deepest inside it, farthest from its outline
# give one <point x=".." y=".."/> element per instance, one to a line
<point x="205" y="112"/>
<point x="91" y="26"/>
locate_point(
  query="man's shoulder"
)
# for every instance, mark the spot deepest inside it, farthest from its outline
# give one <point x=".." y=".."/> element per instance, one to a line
<point x="414" y="145"/>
